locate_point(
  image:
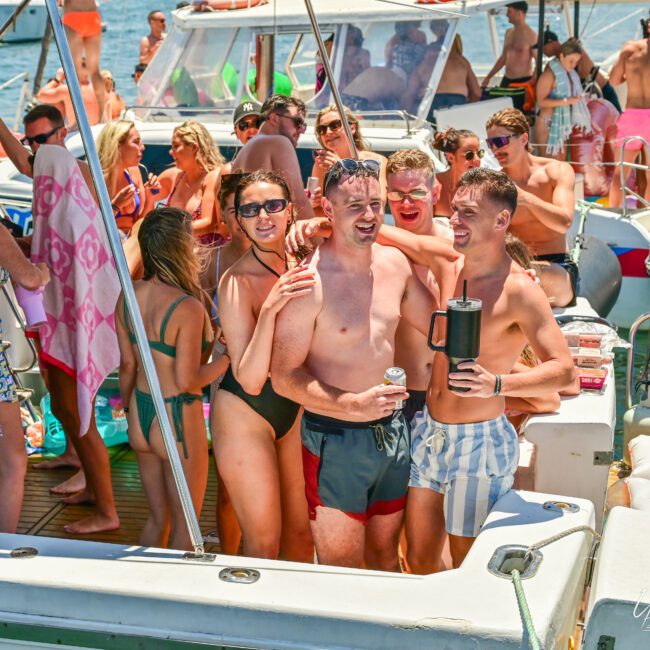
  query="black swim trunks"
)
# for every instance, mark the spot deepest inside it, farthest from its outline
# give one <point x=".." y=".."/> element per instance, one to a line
<point x="564" y="260"/>
<point x="416" y="402"/>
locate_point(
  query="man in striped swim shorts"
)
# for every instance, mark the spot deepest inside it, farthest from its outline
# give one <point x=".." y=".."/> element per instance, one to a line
<point x="464" y="452"/>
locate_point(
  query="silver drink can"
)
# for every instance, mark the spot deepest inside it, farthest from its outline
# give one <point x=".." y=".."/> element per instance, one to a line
<point x="312" y="185"/>
<point x="396" y="377"/>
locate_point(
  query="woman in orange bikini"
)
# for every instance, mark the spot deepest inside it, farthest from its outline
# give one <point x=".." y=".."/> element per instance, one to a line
<point x="83" y="29"/>
<point x="193" y="183"/>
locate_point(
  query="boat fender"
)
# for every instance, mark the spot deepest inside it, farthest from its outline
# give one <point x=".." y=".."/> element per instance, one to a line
<point x="600" y="274"/>
<point x="226" y="5"/>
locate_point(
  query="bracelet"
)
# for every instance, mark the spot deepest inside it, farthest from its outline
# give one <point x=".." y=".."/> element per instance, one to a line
<point x="125" y="409"/>
<point x="497" y="385"/>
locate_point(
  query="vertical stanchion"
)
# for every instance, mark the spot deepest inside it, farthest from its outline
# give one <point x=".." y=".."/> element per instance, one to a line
<point x="124" y="276"/>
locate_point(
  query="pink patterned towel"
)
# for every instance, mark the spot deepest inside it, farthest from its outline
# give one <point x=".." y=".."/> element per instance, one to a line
<point x="79" y="336"/>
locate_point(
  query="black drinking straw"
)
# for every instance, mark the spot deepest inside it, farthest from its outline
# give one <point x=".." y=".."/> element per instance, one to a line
<point x="464" y="290"/>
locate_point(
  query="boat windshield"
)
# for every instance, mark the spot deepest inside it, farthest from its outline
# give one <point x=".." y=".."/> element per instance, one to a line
<point x="379" y="66"/>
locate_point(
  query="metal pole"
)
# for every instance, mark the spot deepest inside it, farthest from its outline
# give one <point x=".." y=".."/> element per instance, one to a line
<point x="24" y="96"/>
<point x="328" y="70"/>
<point x="540" y="37"/>
<point x="42" y="59"/>
<point x="12" y="19"/>
<point x="576" y="18"/>
<point x="123" y="273"/>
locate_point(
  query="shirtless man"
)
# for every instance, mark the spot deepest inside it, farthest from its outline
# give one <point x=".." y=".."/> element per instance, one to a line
<point x="44" y="125"/>
<point x="449" y="486"/>
<point x="83" y="29"/>
<point x="330" y="353"/>
<point x="519" y="54"/>
<point x="274" y="147"/>
<point x="545" y="203"/>
<point x="56" y="92"/>
<point x="632" y="66"/>
<point x="458" y="84"/>
<point x="151" y="43"/>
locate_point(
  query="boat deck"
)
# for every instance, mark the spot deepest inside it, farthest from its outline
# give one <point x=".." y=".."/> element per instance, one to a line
<point x="43" y="513"/>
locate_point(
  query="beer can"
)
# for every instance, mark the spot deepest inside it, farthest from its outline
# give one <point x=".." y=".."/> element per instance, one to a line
<point x="312" y="185"/>
<point x="396" y="377"/>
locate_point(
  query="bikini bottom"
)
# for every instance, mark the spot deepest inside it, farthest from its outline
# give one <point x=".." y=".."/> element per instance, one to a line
<point x="147" y="413"/>
<point x="86" y="23"/>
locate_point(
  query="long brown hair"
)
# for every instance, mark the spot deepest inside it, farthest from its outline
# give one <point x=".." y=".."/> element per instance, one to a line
<point x="359" y="142"/>
<point x="168" y="253"/>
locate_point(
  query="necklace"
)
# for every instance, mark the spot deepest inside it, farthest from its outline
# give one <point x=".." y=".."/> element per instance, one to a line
<point x="266" y="266"/>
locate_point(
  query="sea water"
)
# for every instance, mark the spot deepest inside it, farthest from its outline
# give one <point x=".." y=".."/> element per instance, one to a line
<point x="604" y="29"/>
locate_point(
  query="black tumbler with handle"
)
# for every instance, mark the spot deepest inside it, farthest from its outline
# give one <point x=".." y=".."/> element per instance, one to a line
<point x="463" y="335"/>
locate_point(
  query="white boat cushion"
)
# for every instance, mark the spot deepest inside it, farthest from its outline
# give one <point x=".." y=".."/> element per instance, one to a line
<point x="639" y="489"/>
<point x="639" y="449"/>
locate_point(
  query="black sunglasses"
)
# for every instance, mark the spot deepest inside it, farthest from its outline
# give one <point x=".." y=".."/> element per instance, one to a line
<point x="243" y="125"/>
<point x="298" y="121"/>
<point x="41" y="138"/>
<point x="350" y="167"/>
<point x="272" y="206"/>
<point x="334" y="125"/>
<point x="500" y="141"/>
<point x="469" y="155"/>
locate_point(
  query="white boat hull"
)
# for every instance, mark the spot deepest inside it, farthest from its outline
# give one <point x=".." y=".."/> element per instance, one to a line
<point x="30" y="25"/>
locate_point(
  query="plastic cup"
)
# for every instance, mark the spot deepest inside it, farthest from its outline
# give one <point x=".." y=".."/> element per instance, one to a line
<point x="32" y="304"/>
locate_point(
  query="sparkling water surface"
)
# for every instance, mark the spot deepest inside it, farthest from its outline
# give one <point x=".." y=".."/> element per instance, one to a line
<point x="604" y="28"/>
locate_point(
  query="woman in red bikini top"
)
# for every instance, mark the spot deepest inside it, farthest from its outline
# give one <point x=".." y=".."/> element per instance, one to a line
<point x="193" y="183"/>
<point x="120" y="148"/>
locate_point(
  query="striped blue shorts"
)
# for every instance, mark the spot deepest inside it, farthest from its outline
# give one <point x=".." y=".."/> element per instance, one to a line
<point x="473" y="465"/>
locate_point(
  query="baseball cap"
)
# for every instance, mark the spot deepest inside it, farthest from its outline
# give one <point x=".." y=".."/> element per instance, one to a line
<point x="245" y="109"/>
<point x="550" y="37"/>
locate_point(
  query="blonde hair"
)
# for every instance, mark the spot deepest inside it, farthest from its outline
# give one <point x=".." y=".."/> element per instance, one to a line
<point x="108" y="144"/>
<point x="168" y="247"/>
<point x="359" y="142"/>
<point x="193" y="133"/>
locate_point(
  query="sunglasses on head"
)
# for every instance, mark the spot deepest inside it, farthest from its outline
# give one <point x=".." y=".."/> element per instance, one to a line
<point x="272" y="206"/>
<point x="244" y="125"/>
<point x="416" y="195"/>
<point x="298" y="121"/>
<point x="350" y="167"/>
<point x="500" y="141"/>
<point x="334" y="125"/>
<point x="469" y="155"/>
<point x="41" y="138"/>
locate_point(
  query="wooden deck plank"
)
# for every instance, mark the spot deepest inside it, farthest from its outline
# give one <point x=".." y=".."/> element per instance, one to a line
<point x="43" y="513"/>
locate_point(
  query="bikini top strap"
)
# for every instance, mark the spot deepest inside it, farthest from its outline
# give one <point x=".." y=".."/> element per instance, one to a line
<point x="170" y="311"/>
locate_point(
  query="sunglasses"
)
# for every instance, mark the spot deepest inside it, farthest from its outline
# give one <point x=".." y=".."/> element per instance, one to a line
<point x="469" y="155"/>
<point x="272" y="206"/>
<point x="334" y="125"/>
<point x="41" y="138"/>
<point x="350" y="167"/>
<point x="244" y="125"/>
<point x="500" y="141"/>
<point x="299" y="123"/>
<point x="416" y="195"/>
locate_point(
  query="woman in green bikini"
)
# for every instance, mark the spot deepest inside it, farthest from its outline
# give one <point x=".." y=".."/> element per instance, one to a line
<point x="180" y="335"/>
<point x="256" y="431"/>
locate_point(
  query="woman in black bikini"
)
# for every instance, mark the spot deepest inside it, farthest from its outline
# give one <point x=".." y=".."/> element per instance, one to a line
<point x="178" y="327"/>
<point x="256" y="433"/>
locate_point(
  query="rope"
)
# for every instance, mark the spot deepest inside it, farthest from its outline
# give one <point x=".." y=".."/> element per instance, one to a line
<point x="533" y="640"/>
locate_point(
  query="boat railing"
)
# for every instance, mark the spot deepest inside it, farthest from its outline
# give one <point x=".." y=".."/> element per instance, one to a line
<point x="161" y="112"/>
<point x="631" y="356"/>
<point x="628" y="191"/>
<point x="25" y="95"/>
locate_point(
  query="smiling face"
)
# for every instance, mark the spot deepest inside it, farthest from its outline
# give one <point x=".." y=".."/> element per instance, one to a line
<point x="131" y="149"/>
<point x="266" y="228"/>
<point x="334" y="139"/>
<point x="459" y="158"/>
<point x="474" y="219"/>
<point x="43" y="126"/>
<point x="356" y="210"/>
<point x="412" y="213"/>
<point x="184" y="154"/>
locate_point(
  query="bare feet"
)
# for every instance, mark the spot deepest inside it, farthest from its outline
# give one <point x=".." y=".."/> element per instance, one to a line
<point x="76" y="483"/>
<point x="83" y="496"/>
<point x="66" y="459"/>
<point x="94" y="524"/>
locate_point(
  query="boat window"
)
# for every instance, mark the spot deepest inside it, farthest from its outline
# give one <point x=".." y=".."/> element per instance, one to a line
<point x="151" y="83"/>
<point x="302" y="65"/>
<point x="386" y="66"/>
<point x="477" y="43"/>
